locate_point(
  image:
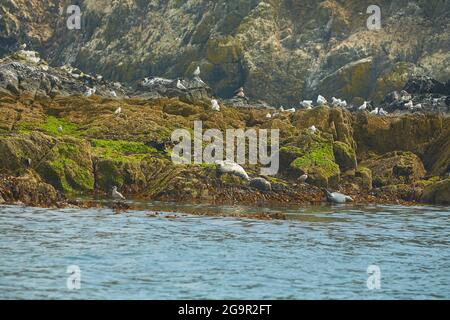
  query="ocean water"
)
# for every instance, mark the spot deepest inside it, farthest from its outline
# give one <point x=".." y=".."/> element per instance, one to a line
<point x="318" y="253"/>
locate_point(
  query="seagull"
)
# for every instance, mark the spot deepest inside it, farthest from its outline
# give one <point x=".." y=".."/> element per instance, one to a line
<point x="268" y="116"/>
<point x="313" y="129"/>
<point x="342" y="103"/>
<point x="335" y="102"/>
<point x="303" y="178"/>
<point x="146" y="82"/>
<point x="118" y="111"/>
<point x="307" y="104"/>
<point x="60" y="129"/>
<point x="197" y="72"/>
<point x="418" y="106"/>
<point x="281" y="109"/>
<point x="292" y="110"/>
<point x="382" y="112"/>
<point x="113" y="93"/>
<point x="409" y="105"/>
<point x="374" y="111"/>
<point x="337" y="197"/>
<point x="90" y="91"/>
<point x="117" y="85"/>
<point x="23" y="46"/>
<point x="215" y="105"/>
<point x="363" y="106"/>
<point x="180" y="85"/>
<point x="321" y="100"/>
<point x="116" y="194"/>
<point x="239" y="93"/>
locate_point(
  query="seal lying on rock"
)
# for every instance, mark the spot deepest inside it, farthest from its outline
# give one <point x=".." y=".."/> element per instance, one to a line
<point x="261" y="184"/>
<point x="337" y="197"/>
<point x="227" y="166"/>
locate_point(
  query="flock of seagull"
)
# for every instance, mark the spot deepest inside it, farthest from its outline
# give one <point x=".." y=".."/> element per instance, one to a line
<point x="305" y="104"/>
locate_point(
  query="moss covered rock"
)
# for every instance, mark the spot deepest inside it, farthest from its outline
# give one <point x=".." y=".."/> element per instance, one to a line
<point x="364" y="175"/>
<point x="395" y="168"/>
<point x="317" y="159"/>
<point x="345" y="156"/>
<point x="438" y="193"/>
<point x="68" y="166"/>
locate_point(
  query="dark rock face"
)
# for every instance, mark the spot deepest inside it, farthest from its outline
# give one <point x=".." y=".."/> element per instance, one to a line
<point x="279" y="51"/>
<point x="422" y="85"/>
<point x="420" y="94"/>
<point x="192" y="90"/>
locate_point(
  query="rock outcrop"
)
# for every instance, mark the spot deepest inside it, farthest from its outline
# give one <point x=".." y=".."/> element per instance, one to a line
<point x="65" y="138"/>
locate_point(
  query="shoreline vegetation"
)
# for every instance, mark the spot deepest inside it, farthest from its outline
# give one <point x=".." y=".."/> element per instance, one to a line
<point x="58" y="143"/>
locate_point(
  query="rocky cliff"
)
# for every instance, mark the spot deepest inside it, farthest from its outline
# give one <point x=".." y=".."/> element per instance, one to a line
<point x="62" y="130"/>
<point x="278" y="50"/>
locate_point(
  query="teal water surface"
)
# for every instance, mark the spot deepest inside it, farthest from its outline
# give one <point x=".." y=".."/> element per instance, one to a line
<point x="319" y="253"/>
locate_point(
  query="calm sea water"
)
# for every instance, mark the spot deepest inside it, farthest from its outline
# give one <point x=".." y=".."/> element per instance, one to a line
<point x="319" y="253"/>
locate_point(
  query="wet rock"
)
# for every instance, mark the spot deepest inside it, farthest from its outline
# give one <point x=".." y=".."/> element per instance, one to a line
<point x="345" y="156"/>
<point x="191" y="91"/>
<point x="438" y="193"/>
<point x="395" y="168"/>
<point x="317" y="159"/>
<point x="424" y="84"/>
<point x="28" y="189"/>
<point x="365" y="177"/>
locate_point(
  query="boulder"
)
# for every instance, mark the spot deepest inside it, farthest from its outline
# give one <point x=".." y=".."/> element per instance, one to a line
<point x="317" y="159"/>
<point x="345" y="156"/>
<point x="395" y="168"/>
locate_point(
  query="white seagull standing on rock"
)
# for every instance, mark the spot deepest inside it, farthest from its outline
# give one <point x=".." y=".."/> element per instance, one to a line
<point x="118" y="111"/>
<point x="282" y="109"/>
<point x="382" y="112"/>
<point x="335" y="102"/>
<point x="363" y="106"/>
<point x="321" y="100"/>
<point x="303" y="178"/>
<point x="307" y="104"/>
<point x="374" y="111"/>
<point x="409" y="105"/>
<point x="215" y="105"/>
<point x="268" y="116"/>
<point x="90" y="91"/>
<point x="197" y="72"/>
<point x="292" y="110"/>
<point x="239" y="93"/>
<point x="180" y="85"/>
<point x="313" y="129"/>
<point x="113" y="94"/>
<point x="342" y="103"/>
<point x="116" y="194"/>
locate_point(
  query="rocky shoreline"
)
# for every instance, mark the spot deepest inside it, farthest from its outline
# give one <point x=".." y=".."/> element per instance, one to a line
<point x="61" y="136"/>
